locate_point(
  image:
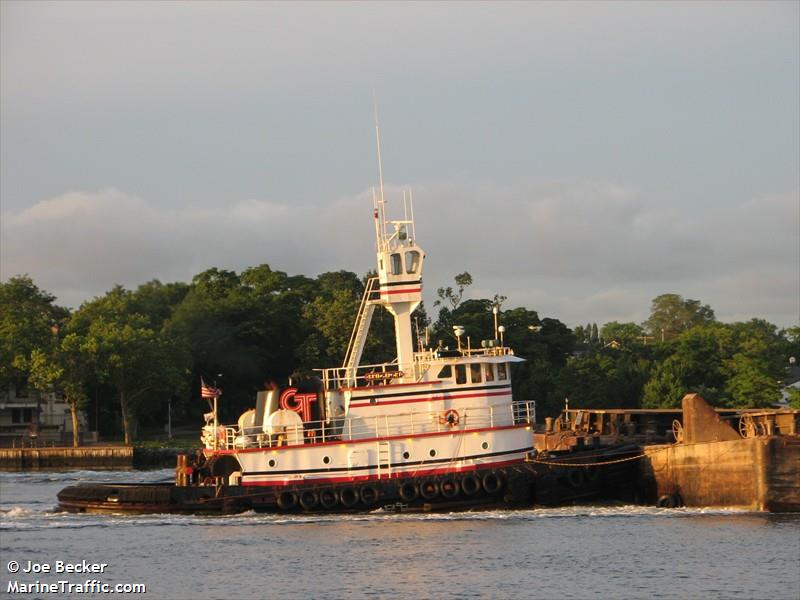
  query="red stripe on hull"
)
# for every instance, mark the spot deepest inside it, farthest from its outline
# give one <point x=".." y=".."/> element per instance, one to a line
<point x="390" y="387"/>
<point x="361" y="478"/>
<point x="504" y="392"/>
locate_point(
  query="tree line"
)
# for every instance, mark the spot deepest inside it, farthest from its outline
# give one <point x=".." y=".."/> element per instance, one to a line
<point x="132" y="352"/>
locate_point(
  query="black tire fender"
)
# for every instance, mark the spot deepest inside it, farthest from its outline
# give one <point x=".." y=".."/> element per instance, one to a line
<point x="470" y="484"/>
<point x="287" y="500"/>
<point x="369" y="495"/>
<point x="449" y="488"/>
<point x="348" y="497"/>
<point x="575" y="478"/>
<point x="408" y="491"/>
<point x="492" y="482"/>
<point x="429" y="489"/>
<point x="309" y="499"/>
<point x="328" y="498"/>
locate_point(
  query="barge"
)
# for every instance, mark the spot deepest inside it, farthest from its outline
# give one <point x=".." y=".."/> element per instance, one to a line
<point x="697" y="455"/>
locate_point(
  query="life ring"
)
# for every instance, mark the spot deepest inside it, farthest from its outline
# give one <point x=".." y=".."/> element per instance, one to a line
<point x="309" y="499"/>
<point x="409" y="491"/>
<point x="429" y="489"/>
<point x="450" y="417"/>
<point x="222" y="437"/>
<point x="492" y="483"/>
<point x="328" y="498"/>
<point x="575" y="478"/>
<point x="287" y="500"/>
<point x="470" y="484"/>
<point x="348" y="497"/>
<point x="369" y="495"/>
<point x="449" y="488"/>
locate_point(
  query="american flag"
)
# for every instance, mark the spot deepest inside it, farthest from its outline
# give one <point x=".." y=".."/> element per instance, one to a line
<point x="209" y="391"/>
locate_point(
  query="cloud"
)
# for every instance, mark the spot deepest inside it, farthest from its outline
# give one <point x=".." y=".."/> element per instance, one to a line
<point x="575" y="251"/>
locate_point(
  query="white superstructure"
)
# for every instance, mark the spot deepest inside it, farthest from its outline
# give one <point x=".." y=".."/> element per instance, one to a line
<point x="428" y="412"/>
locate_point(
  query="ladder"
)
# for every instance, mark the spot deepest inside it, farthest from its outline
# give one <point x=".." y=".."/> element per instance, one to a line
<point x="384" y="459"/>
<point x="360" y="330"/>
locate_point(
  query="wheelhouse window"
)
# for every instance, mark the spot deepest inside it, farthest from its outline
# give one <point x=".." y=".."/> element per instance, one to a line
<point x="461" y="374"/>
<point x="397" y="264"/>
<point x="488" y="372"/>
<point x="475" y="372"/>
<point x="412" y="261"/>
<point x="446" y="372"/>
<point x="502" y="371"/>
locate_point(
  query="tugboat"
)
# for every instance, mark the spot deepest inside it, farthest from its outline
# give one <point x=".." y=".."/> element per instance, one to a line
<point x="434" y="428"/>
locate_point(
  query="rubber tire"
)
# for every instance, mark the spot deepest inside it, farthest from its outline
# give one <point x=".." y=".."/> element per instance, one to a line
<point x="592" y="474"/>
<point x="309" y="499"/>
<point x="429" y="489"/>
<point x="470" y="485"/>
<point x="328" y="498"/>
<point x="348" y="497"/>
<point x="369" y="495"/>
<point x="492" y="483"/>
<point x="669" y="501"/>
<point x="287" y="500"/>
<point x="575" y="478"/>
<point x="449" y="488"/>
<point x="409" y="491"/>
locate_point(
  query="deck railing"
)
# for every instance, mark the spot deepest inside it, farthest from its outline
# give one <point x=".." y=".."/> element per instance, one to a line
<point x="359" y="428"/>
<point x="365" y="375"/>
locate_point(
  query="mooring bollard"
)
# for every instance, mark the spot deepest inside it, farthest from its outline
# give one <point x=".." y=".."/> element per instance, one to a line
<point x="182" y="471"/>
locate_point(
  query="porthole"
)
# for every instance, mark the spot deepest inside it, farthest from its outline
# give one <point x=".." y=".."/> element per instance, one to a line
<point x="406" y="454"/>
<point x="272" y="462"/>
<point x="485" y="445"/>
<point x="433" y="452"/>
<point x="326" y="460"/>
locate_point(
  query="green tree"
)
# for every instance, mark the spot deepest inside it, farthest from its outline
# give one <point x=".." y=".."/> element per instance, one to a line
<point x="749" y="383"/>
<point x="129" y="353"/>
<point x="451" y="296"/>
<point x="694" y="364"/>
<point x="626" y="334"/>
<point x="794" y="398"/>
<point x="736" y="365"/>
<point x="66" y="366"/>
<point x="29" y="318"/>
<point x="671" y="315"/>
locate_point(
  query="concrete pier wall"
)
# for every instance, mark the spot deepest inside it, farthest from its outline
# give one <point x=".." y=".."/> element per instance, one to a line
<point x="107" y="457"/>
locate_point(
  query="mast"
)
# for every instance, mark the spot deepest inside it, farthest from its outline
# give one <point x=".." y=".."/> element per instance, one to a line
<point x="399" y="268"/>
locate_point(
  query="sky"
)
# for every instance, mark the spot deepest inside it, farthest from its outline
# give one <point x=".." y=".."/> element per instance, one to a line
<point x="579" y="158"/>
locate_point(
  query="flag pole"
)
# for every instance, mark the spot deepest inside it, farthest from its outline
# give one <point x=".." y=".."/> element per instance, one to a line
<point x="216" y="426"/>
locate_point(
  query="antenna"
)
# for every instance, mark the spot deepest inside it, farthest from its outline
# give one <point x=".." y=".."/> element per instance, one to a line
<point x="378" y="140"/>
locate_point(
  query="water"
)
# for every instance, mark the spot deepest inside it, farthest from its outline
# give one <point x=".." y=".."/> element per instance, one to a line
<point x="575" y="552"/>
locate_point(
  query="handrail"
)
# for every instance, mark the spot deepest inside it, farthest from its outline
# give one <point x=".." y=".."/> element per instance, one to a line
<point x="362" y="323"/>
<point x="378" y="426"/>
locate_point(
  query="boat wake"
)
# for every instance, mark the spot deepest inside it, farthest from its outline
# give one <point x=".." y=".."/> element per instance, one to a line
<point x="34" y="518"/>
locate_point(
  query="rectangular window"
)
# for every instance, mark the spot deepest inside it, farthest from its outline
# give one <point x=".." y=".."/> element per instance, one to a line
<point x="446" y="372"/>
<point x="27" y="415"/>
<point x="16" y="415"/>
<point x="501" y="371"/>
<point x="488" y="372"/>
<point x="397" y="264"/>
<point x="461" y="374"/>
<point x="475" y="372"/>
<point x="412" y="261"/>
